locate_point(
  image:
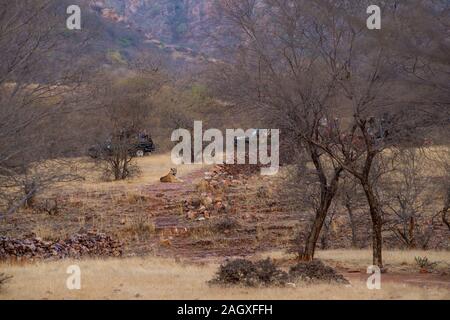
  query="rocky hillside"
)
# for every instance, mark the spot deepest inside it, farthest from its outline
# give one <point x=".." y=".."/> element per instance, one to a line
<point x="176" y="22"/>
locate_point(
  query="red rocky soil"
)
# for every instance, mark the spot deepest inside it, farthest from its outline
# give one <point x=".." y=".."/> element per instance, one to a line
<point x="216" y="212"/>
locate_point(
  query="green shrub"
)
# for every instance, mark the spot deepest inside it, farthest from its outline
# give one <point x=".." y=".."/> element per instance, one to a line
<point x="424" y="263"/>
<point x="125" y="42"/>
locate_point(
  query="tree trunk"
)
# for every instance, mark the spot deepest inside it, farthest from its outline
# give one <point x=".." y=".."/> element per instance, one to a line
<point x="445" y="219"/>
<point x="313" y="236"/>
<point x="30" y="192"/>
<point x="375" y="214"/>
<point x="352" y="224"/>
<point x="411" y="236"/>
<point x="327" y="193"/>
<point x="445" y="210"/>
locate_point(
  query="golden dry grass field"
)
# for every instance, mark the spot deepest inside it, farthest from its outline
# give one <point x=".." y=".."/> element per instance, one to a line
<point x="158" y="278"/>
<point x="151" y="169"/>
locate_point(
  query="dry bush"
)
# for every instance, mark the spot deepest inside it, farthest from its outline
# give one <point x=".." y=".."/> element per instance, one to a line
<point x="251" y="274"/>
<point x="225" y="224"/>
<point x="47" y="233"/>
<point x="4" y="278"/>
<point x="315" y="270"/>
<point x="424" y="263"/>
<point x="140" y="226"/>
<point x="133" y="198"/>
<point x="49" y="206"/>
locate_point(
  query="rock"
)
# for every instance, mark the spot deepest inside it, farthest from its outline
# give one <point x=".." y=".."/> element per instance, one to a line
<point x="218" y="206"/>
<point x="90" y="244"/>
<point x="195" y="202"/>
<point x="291" y="285"/>
<point x="207" y="201"/>
<point x="191" y="215"/>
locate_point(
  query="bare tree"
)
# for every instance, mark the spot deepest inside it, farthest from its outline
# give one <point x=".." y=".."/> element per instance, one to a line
<point x="275" y="63"/>
<point x="350" y="199"/>
<point x="31" y="92"/>
<point x="125" y="106"/>
<point x="305" y="63"/>
<point x="426" y="65"/>
<point x="410" y="199"/>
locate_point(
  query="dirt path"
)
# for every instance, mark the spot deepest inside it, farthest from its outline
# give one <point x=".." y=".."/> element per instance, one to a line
<point x="417" y="279"/>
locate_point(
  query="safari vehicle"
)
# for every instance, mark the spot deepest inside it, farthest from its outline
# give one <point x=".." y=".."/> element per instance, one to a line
<point x="138" y="146"/>
<point x="144" y="145"/>
<point x="255" y="133"/>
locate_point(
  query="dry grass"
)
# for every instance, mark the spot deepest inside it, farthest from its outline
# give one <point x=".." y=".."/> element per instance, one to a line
<point x="157" y="278"/>
<point x="362" y="258"/>
<point x="47" y="233"/>
<point x="151" y="169"/>
<point x="391" y="257"/>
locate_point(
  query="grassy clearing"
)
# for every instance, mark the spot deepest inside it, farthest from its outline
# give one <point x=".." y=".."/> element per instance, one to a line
<point x="151" y="168"/>
<point x="157" y="278"/>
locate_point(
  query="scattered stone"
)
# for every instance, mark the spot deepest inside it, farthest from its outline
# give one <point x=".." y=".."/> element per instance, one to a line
<point x="191" y="215"/>
<point x="212" y="187"/>
<point x="207" y="201"/>
<point x="195" y="202"/>
<point x="77" y="246"/>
